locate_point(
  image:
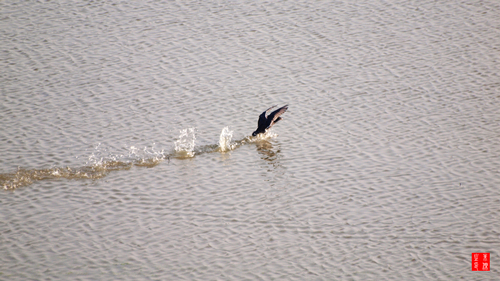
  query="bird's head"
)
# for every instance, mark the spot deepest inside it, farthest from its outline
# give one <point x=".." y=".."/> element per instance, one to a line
<point x="254" y="133"/>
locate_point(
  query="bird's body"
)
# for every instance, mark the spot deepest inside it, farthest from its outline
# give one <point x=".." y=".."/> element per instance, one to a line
<point x="266" y="120"/>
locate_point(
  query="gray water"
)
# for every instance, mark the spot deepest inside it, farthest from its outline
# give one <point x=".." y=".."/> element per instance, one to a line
<point x="116" y="162"/>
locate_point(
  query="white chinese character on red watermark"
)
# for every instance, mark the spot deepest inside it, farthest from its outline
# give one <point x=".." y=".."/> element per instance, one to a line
<point x="479" y="264"/>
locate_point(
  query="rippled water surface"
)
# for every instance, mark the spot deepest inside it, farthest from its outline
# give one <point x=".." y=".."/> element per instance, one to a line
<point x="125" y="149"/>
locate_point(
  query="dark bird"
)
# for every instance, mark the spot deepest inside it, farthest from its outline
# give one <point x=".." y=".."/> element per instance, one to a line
<point x="266" y="120"/>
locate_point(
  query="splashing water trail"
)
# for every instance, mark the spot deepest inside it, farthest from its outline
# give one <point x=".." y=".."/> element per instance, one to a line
<point x="100" y="156"/>
<point x="99" y="164"/>
<point x="269" y="134"/>
<point x="225" y="140"/>
<point x="147" y="157"/>
<point x="104" y="159"/>
<point x="184" y="146"/>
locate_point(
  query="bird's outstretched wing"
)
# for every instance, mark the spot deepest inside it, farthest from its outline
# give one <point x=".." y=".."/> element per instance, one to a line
<point x="263" y="118"/>
<point x="273" y="117"/>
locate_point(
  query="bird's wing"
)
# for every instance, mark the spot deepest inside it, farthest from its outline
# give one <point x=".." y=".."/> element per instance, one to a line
<point x="263" y="117"/>
<point x="267" y="110"/>
<point x="275" y="114"/>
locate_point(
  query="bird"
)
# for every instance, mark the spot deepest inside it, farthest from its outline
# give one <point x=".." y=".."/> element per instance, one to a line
<point x="266" y="120"/>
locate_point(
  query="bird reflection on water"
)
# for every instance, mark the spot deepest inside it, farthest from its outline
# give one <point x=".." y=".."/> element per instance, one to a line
<point x="265" y="148"/>
<point x="270" y="152"/>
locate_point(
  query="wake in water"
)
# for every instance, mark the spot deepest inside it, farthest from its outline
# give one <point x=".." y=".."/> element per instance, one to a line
<point x="24" y="177"/>
<point x="101" y="162"/>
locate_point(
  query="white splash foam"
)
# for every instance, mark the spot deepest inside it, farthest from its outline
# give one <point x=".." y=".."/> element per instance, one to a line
<point x="148" y="156"/>
<point x="225" y="139"/>
<point x="101" y="155"/>
<point x="185" y="144"/>
<point x="269" y="134"/>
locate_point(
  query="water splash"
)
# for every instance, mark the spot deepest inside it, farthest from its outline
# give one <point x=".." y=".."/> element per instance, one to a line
<point x="147" y="157"/>
<point x="99" y="164"/>
<point x="102" y="161"/>
<point x="225" y="140"/>
<point x="269" y="134"/>
<point x="101" y="155"/>
<point x="23" y="177"/>
<point x="184" y="146"/>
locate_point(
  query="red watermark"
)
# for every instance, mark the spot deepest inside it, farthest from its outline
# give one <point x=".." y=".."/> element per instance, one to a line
<point x="480" y="261"/>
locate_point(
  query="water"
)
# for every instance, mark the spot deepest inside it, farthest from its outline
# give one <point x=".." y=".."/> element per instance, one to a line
<point x="225" y="140"/>
<point x="184" y="146"/>
<point x="126" y="151"/>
